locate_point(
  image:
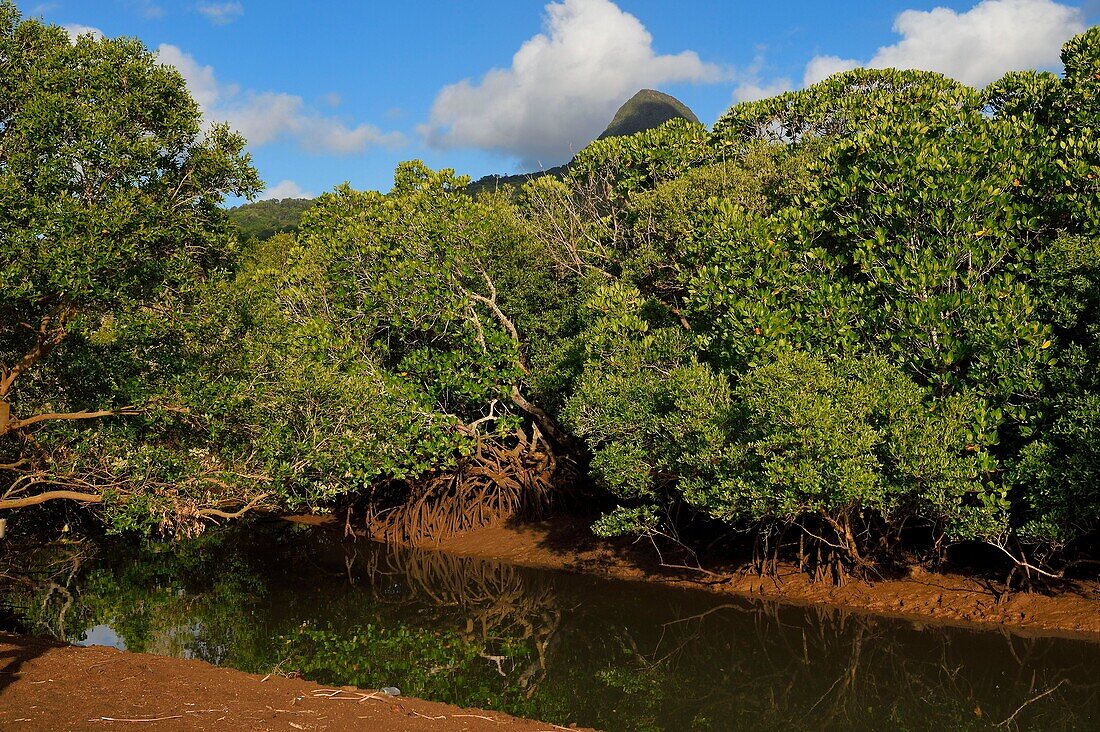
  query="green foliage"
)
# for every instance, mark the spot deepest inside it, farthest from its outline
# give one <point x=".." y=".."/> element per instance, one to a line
<point x="888" y="270"/>
<point x="1057" y="471"/>
<point x="861" y="306"/>
<point x="629" y="164"/>
<point x="653" y="415"/>
<point x="856" y="435"/>
<point x="396" y="276"/>
<point x="103" y="202"/>
<point x="110" y="198"/>
<point x="359" y="351"/>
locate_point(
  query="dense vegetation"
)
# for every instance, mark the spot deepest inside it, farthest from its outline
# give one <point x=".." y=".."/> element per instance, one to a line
<point x="110" y="231"/>
<point x="849" y="318"/>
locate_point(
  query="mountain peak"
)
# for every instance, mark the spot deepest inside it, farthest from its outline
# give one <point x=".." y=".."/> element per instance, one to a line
<point x="644" y="111"/>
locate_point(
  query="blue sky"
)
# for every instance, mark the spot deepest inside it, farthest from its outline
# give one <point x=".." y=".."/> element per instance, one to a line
<point x="329" y="92"/>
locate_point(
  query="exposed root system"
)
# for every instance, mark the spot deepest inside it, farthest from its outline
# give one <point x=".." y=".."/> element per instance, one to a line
<point x="499" y="480"/>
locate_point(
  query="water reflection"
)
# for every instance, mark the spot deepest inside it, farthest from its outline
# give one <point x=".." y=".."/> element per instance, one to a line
<point x="559" y="647"/>
<point x="101" y="635"/>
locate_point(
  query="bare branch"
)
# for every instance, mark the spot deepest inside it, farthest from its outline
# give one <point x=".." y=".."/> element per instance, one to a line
<point x="41" y="498"/>
<point x="479" y="329"/>
<point x="491" y="303"/>
<point x="1032" y="700"/>
<point x="1024" y="564"/>
<point x="68" y="416"/>
<point x="217" y="513"/>
<point x="683" y="320"/>
<point x="545" y="421"/>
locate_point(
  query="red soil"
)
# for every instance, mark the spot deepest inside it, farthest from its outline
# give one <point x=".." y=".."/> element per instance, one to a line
<point x="45" y="685"/>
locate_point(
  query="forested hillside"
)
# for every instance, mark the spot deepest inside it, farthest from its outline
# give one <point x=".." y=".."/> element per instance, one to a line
<point x="262" y="220"/>
<point x="855" y="323"/>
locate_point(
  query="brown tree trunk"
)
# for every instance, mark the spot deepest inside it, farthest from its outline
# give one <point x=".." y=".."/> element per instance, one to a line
<point x="12" y="503"/>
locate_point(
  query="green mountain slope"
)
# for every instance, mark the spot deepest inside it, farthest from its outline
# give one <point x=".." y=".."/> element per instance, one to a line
<point x="644" y="111"/>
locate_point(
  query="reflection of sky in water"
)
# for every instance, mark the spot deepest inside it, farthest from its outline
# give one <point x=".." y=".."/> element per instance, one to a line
<point x="102" y="635"/>
<point x="171" y="642"/>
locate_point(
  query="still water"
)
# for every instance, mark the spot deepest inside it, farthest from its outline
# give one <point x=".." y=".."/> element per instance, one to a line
<point x="557" y="647"/>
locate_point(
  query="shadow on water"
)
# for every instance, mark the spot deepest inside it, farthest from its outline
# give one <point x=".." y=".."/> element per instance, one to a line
<point x="553" y="646"/>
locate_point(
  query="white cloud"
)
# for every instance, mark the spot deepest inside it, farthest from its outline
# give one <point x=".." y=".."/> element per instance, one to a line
<point x="822" y="67"/>
<point x="265" y="117"/>
<point x="220" y="13"/>
<point x="751" y="91"/>
<point x="76" y="30"/>
<point x="201" y="82"/>
<point x="751" y="86"/>
<point x="975" y="47"/>
<point x="285" y="189"/>
<point x="563" y="86"/>
<point x="41" y="8"/>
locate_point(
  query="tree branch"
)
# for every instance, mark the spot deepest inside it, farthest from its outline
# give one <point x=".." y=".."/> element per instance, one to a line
<point x="683" y="320"/>
<point x="47" y="341"/>
<point x="1032" y="700"/>
<point x="1023" y="563"/>
<point x="491" y="303"/>
<point x="12" y="503"/>
<point x="544" y="420"/>
<point x="217" y="513"/>
<point x="17" y="424"/>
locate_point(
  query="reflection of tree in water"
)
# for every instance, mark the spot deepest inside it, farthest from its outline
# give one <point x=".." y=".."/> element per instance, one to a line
<point x="847" y="671"/>
<point x="503" y="607"/>
<point x="743" y="665"/>
<point x="39" y="587"/>
<point x="554" y="647"/>
<point x="191" y="603"/>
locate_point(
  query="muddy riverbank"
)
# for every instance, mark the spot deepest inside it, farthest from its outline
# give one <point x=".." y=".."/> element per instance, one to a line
<point x="566" y="543"/>
<point x="47" y="685"/>
<point x="590" y="645"/>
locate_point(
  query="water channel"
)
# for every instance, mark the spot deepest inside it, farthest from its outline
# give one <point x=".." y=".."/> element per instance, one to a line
<point x="549" y="645"/>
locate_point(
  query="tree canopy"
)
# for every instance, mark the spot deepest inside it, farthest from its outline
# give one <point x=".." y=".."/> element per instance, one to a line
<point x="846" y="316"/>
<point x="110" y="194"/>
